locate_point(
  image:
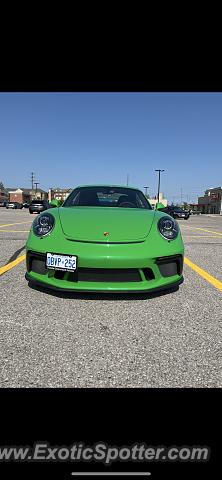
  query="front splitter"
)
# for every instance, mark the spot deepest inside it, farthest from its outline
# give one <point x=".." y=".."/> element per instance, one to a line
<point x="59" y="289"/>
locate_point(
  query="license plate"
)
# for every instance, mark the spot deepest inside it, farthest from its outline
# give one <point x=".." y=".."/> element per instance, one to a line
<point x="56" y="261"/>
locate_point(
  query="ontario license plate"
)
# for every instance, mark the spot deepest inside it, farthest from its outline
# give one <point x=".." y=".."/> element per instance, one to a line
<point x="61" y="262"/>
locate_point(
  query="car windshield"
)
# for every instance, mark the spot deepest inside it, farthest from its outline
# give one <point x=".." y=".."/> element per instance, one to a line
<point x="38" y="202"/>
<point x="107" y="197"/>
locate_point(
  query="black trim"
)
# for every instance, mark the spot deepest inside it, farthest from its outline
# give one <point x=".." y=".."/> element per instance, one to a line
<point x="38" y="266"/>
<point x="148" y="273"/>
<point x="149" y="290"/>
<point x="168" y="269"/>
<point x="171" y="259"/>
<point x="109" y="275"/>
<point x="30" y="254"/>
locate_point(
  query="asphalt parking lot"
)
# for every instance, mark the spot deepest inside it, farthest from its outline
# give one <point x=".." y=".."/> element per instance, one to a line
<point x="168" y="340"/>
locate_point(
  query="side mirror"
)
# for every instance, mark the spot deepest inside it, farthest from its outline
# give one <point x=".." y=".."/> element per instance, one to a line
<point x="55" y="203"/>
<point x="159" y="206"/>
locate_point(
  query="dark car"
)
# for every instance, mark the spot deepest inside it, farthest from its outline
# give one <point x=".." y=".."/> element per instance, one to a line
<point x="176" y="212"/>
<point x="14" y="205"/>
<point x="195" y="212"/>
<point x="25" y="205"/>
<point x="3" y="203"/>
<point x="37" y="206"/>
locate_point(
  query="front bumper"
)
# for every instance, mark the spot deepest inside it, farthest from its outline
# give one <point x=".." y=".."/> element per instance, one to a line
<point x="182" y="216"/>
<point x="123" y="274"/>
<point x="36" y="210"/>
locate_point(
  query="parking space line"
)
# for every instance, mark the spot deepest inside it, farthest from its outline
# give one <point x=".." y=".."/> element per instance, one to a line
<point x="200" y="236"/>
<point x="216" y="283"/>
<point x="17" y="231"/>
<point x="203" y="230"/>
<point x="11" y="224"/>
<point x="13" y="264"/>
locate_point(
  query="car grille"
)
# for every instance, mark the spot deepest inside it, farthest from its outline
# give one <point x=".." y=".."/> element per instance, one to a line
<point x="108" y="275"/>
<point x="36" y="263"/>
<point x="111" y="275"/>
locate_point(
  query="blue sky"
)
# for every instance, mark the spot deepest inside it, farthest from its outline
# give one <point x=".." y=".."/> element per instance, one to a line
<point x="69" y="139"/>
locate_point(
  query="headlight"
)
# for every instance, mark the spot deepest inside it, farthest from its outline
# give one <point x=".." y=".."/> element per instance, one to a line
<point x="168" y="227"/>
<point x="43" y="224"/>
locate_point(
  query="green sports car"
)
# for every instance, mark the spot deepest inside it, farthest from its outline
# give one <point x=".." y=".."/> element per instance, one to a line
<point x="105" y="239"/>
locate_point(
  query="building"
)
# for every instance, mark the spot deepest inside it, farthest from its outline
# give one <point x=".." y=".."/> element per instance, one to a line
<point x="59" y="193"/>
<point x="191" y="206"/>
<point x="4" y="196"/>
<point x="211" y="202"/>
<point x="22" y="195"/>
<point x="154" y="201"/>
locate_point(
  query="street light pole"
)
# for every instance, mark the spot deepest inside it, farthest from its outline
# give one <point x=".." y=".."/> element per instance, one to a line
<point x="32" y="179"/>
<point x="158" y="194"/>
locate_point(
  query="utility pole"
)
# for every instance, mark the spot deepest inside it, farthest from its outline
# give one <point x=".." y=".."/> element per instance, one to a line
<point x="181" y="195"/>
<point x="36" y="183"/>
<point x="32" y="179"/>
<point x="158" y="194"/>
<point x="146" y="190"/>
<point x="127" y="180"/>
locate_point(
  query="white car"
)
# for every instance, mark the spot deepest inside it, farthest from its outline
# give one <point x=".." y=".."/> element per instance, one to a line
<point x="14" y="205"/>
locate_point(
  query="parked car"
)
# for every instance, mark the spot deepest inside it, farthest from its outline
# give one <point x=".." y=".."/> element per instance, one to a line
<point x="195" y="212"/>
<point x="176" y="212"/>
<point x="15" y="205"/>
<point x="25" y="205"/>
<point x="3" y="204"/>
<point x="38" y="206"/>
<point x="105" y="239"/>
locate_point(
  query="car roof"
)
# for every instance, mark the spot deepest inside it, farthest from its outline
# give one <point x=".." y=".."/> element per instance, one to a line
<point x="108" y="185"/>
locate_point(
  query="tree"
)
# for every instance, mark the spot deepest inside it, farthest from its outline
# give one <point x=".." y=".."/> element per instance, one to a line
<point x="2" y="188"/>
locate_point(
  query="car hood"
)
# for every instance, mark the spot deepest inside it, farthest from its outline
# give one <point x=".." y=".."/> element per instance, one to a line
<point x="106" y="224"/>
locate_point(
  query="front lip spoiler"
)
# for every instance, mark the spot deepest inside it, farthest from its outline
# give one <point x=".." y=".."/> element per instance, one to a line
<point x="58" y="289"/>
